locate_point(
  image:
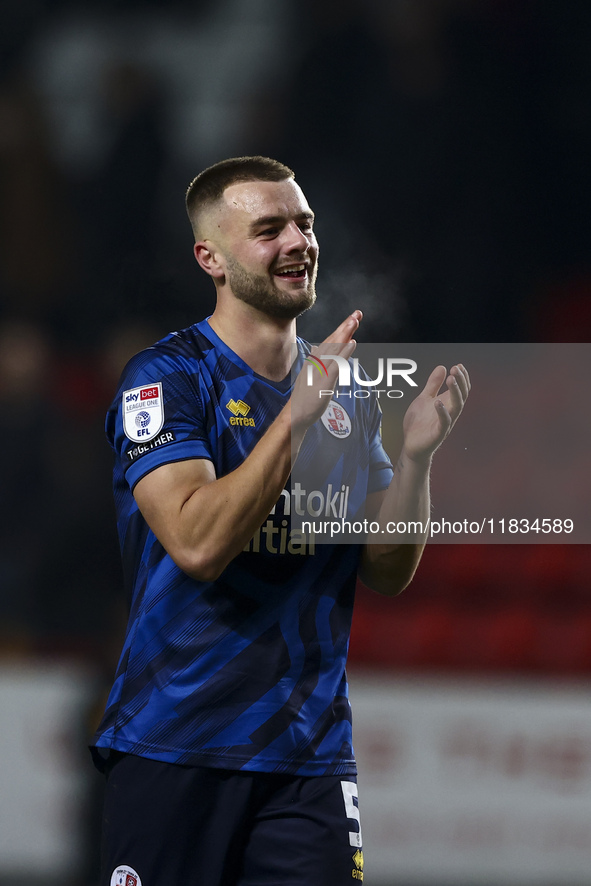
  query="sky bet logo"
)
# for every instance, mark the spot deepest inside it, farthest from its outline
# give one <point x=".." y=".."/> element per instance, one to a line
<point x="143" y="412"/>
<point x="389" y="370"/>
<point x="143" y="394"/>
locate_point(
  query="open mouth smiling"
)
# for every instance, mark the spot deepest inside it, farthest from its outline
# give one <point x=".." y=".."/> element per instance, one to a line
<point x="292" y="272"/>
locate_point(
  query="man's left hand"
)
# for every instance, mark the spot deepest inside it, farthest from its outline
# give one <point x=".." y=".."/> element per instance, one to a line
<point x="430" y="417"/>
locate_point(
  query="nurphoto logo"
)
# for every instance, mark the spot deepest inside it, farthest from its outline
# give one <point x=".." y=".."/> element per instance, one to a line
<point x="389" y="371"/>
<point x="318" y="364"/>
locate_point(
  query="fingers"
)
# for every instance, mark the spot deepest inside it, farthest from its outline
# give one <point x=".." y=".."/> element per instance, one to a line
<point x="341" y="341"/>
<point x="458" y="383"/>
<point x="460" y="373"/>
<point x="347" y="329"/>
<point x="450" y="404"/>
<point x="435" y="381"/>
<point x="444" y="417"/>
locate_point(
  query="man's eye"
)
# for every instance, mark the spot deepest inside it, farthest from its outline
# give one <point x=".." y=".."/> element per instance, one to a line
<point x="269" y="232"/>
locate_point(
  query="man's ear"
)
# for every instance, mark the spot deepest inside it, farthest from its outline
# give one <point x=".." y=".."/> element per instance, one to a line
<point x="206" y="255"/>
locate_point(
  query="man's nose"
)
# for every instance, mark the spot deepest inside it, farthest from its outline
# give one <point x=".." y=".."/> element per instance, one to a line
<point x="295" y="238"/>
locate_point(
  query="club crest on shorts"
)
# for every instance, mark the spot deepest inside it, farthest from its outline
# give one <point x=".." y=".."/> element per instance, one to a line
<point x="143" y="412"/>
<point x="125" y="876"/>
<point x="336" y="420"/>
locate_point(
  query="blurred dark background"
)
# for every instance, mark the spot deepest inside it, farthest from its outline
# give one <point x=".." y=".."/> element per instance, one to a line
<point x="445" y="146"/>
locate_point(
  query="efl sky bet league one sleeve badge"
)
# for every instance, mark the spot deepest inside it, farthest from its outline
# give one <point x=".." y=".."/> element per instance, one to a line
<point x="143" y="412"/>
<point x="336" y="420"/>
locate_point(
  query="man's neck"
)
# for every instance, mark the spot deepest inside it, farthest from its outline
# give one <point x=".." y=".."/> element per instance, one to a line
<point x="264" y="343"/>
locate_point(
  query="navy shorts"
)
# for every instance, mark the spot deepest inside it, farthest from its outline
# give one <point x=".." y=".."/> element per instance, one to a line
<point x="171" y="825"/>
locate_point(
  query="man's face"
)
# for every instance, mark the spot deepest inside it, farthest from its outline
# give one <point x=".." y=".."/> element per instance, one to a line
<point x="269" y="249"/>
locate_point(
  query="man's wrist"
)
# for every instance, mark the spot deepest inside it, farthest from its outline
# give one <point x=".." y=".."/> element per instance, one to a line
<point x="417" y="461"/>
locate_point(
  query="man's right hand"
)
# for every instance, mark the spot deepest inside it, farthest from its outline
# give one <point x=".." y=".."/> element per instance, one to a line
<point x="307" y="400"/>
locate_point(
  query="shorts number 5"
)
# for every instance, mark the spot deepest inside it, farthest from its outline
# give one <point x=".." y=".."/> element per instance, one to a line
<point x="352" y="811"/>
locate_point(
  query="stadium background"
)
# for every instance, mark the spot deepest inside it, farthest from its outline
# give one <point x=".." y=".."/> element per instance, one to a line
<point x="445" y="147"/>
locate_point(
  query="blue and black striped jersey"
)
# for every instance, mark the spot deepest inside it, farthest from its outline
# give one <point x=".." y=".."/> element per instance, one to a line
<point x="248" y="671"/>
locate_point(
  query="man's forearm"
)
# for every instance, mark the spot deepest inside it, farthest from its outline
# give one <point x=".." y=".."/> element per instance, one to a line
<point x="220" y="518"/>
<point x="388" y="568"/>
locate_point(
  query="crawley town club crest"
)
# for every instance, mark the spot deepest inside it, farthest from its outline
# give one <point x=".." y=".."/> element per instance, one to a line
<point x="336" y="420"/>
<point x="143" y="412"/>
<point x="125" y="876"/>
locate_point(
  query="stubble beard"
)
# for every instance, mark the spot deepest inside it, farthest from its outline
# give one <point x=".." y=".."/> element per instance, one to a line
<point x="261" y="293"/>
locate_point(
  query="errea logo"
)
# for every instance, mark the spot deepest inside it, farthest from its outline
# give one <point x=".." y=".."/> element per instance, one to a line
<point x="357" y="872"/>
<point x="240" y="410"/>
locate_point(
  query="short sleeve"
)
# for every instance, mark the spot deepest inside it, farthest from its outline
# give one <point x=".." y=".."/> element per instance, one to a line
<point x="158" y="415"/>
